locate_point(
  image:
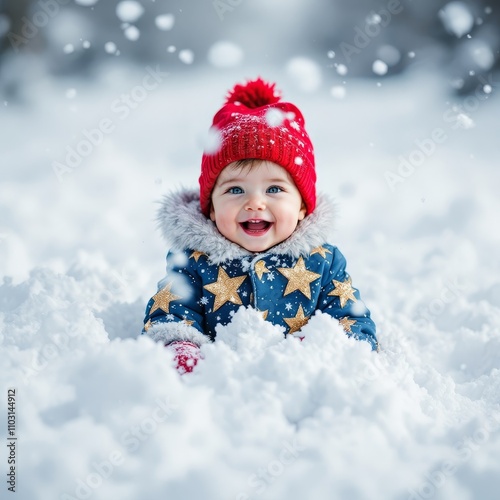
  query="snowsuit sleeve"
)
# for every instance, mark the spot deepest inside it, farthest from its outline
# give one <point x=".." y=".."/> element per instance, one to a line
<point x="342" y="301"/>
<point x="175" y="312"/>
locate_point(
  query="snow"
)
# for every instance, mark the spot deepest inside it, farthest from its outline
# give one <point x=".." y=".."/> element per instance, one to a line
<point x="481" y="54"/>
<point x="305" y="72"/>
<point x="165" y="22"/>
<point x="129" y="11"/>
<point x="341" y="69"/>
<point x="274" y="117"/>
<point x="225" y="54"/>
<point x="211" y="141"/>
<point x="86" y="3"/>
<point x="389" y="54"/>
<point x="68" y="48"/>
<point x="457" y="18"/>
<point x="379" y="67"/>
<point x="101" y="411"/>
<point x="132" y="33"/>
<point x="110" y="47"/>
<point x="338" y="91"/>
<point x="186" y="56"/>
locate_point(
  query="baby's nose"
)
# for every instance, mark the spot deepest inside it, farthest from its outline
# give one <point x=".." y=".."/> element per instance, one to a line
<point x="255" y="202"/>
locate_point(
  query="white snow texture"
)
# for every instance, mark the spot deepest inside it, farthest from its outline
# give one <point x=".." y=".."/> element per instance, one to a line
<point x="101" y="412"/>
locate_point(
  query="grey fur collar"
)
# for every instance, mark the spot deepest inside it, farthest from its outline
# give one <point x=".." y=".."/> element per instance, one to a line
<point x="183" y="226"/>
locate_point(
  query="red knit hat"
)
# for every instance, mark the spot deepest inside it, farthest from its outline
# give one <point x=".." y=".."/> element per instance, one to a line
<point x="254" y="123"/>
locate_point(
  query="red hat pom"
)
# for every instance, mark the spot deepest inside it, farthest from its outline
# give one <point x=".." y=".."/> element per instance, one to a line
<point x="254" y="94"/>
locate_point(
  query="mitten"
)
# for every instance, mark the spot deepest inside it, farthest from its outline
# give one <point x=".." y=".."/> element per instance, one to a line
<point x="186" y="355"/>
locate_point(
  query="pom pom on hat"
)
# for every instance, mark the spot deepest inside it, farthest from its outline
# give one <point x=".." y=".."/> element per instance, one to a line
<point x="255" y="123"/>
<point x="254" y="94"/>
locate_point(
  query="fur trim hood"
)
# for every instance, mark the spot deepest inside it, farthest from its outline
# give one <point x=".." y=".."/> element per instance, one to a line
<point x="183" y="226"/>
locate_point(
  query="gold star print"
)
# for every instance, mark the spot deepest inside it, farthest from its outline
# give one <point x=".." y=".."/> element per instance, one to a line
<point x="225" y="289"/>
<point x="196" y="255"/>
<point x="188" y="322"/>
<point x="264" y="313"/>
<point x="163" y="298"/>
<point x="147" y="326"/>
<point x="347" y="323"/>
<point x="260" y="268"/>
<point x="321" y="250"/>
<point x="344" y="291"/>
<point x="299" y="278"/>
<point x="298" y="322"/>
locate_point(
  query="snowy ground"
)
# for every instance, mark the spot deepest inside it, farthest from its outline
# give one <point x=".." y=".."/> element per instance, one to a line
<point x="102" y="413"/>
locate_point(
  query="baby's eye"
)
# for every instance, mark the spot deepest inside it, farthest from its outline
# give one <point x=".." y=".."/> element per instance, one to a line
<point x="274" y="189"/>
<point x="235" y="190"/>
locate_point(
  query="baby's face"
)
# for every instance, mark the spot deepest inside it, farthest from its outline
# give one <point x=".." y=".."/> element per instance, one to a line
<point x="256" y="206"/>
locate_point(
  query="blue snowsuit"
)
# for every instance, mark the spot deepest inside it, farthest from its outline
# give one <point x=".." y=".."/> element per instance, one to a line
<point x="208" y="278"/>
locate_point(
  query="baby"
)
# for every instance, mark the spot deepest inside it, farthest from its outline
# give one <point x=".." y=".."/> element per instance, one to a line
<point x="254" y="235"/>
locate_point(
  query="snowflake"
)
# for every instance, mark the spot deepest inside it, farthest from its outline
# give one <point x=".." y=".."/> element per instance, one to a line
<point x="204" y="301"/>
<point x="295" y="125"/>
<point x="270" y="276"/>
<point x="170" y="317"/>
<point x="288" y="306"/>
<point x="244" y="294"/>
<point x="245" y="265"/>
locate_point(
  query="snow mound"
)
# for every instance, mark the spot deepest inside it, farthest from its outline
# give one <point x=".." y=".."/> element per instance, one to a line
<point x="262" y="416"/>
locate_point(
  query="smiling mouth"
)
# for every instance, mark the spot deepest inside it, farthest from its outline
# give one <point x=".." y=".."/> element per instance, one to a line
<point x="256" y="227"/>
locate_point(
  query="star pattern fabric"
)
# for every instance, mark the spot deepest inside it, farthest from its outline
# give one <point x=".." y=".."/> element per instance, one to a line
<point x="162" y="299"/>
<point x="297" y="322"/>
<point x="347" y="323"/>
<point x="196" y="255"/>
<point x="211" y="293"/>
<point x="299" y="278"/>
<point x="260" y="268"/>
<point x="343" y="290"/>
<point x="321" y="250"/>
<point x="225" y="289"/>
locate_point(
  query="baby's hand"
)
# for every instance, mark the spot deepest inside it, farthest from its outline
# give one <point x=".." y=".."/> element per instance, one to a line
<point x="186" y="354"/>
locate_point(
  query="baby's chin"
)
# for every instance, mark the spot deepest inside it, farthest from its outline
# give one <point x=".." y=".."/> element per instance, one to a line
<point x="257" y="246"/>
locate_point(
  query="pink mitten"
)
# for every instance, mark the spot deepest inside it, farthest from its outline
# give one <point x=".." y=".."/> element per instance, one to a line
<point x="186" y="354"/>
